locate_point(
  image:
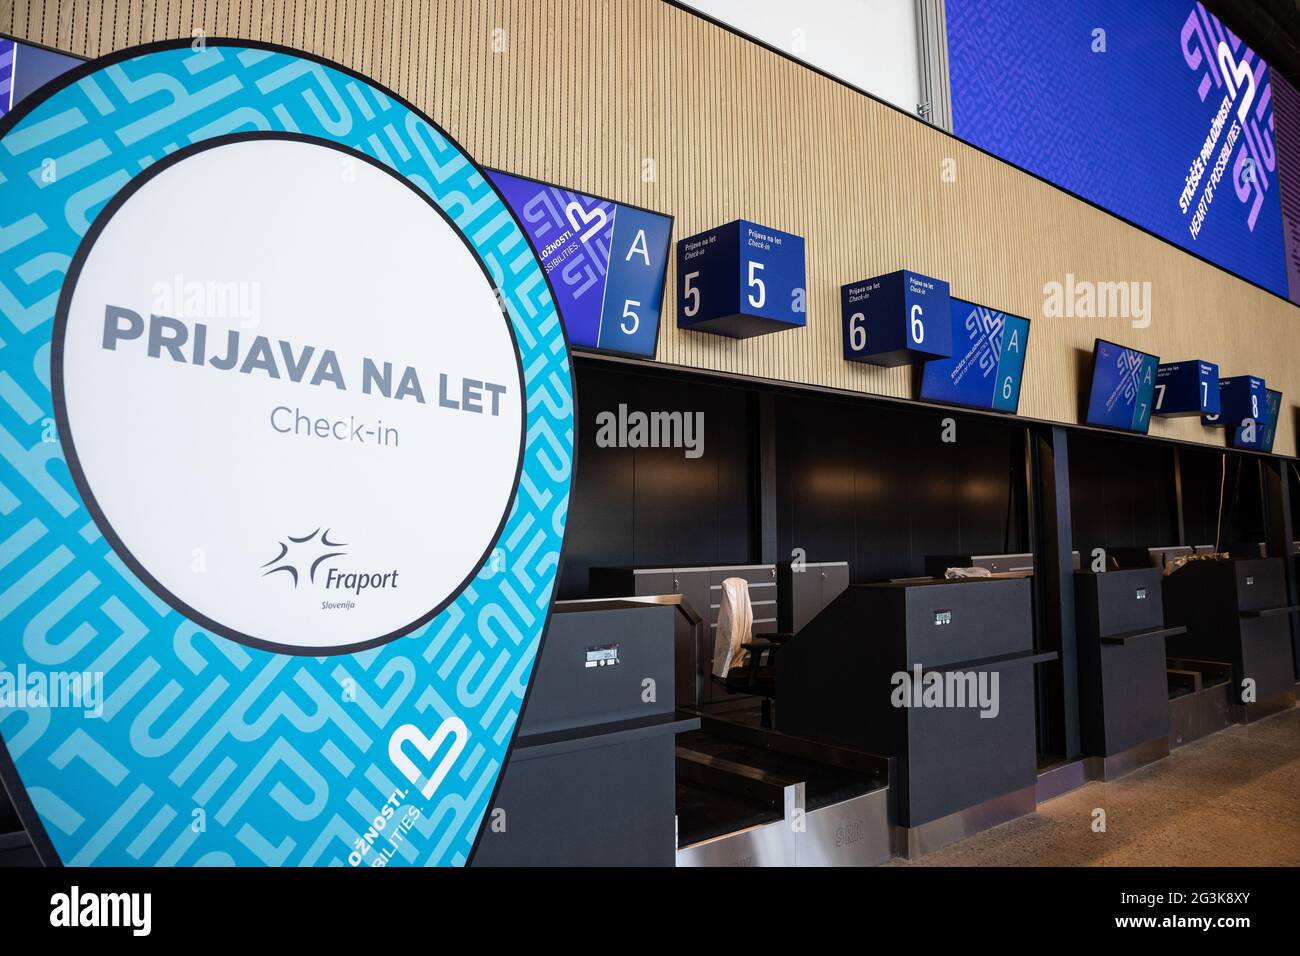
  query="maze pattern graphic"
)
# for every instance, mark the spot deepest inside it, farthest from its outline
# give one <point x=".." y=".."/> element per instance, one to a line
<point x="574" y="235"/>
<point x="1201" y="36"/>
<point x="1122" y="124"/>
<point x="8" y="53"/>
<point x="985" y="327"/>
<point x="210" y="752"/>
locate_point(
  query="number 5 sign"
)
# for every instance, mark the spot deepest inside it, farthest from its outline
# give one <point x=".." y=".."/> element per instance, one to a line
<point x="741" y="280"/>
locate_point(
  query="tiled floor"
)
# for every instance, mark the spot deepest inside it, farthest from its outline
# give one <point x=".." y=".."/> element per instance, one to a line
<point x="1231" y="799"/>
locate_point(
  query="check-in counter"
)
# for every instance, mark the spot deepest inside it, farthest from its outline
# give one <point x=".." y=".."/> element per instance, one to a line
<point x="1123" y="684"/>
<point x="966" y="760"/>
<point x="1235" y="611"/>
<point x="590" y="777"/>
<point x="1161" y="557"/>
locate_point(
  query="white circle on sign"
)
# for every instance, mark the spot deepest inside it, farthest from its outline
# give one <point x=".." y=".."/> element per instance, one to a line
<point x="288" y="393"/>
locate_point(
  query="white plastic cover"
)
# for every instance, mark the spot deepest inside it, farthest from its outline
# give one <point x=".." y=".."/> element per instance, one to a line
<point x="735" y="626"/>
<point x="958" y="573"/>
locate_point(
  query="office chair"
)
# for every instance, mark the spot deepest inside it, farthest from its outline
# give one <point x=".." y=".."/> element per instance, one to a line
<point x="744" y="662"/>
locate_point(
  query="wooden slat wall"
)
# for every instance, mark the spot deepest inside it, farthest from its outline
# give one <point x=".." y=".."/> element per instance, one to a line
<point x="586" y="90"/>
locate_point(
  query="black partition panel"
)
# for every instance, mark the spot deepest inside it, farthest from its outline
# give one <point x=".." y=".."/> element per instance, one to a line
<point x="1293" y="492"/>
<point x="1240" y="518"/>
<point x="1122" y="493"/>
<point x="877" y="486"/>
<point x="651" y="506"/>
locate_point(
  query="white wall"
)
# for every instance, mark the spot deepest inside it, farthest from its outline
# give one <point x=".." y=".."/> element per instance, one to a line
<point x="869" y="43"/>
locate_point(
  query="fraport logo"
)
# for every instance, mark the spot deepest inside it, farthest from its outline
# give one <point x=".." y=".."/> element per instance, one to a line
<point x="301" y="558"/>
<point x="306" y="548"/>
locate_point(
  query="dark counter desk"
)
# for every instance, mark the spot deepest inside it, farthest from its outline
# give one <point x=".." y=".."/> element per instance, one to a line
<point x="957" y="771"/>
<point x="1123" y="684"/>
<point x="1235" y="611"/>
<point x="590" y="778"/>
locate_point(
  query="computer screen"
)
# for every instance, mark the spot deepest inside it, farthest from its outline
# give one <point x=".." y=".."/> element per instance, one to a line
<point x="1123" y="380"/>
<point x="987" y="362"/>
<point x="606" y="262"/>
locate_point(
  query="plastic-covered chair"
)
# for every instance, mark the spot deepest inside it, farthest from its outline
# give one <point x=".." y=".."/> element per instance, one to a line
<point x="744" y="662"/>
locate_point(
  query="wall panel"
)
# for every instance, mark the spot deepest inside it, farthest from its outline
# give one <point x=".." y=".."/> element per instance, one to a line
<point x="583" y="92"/>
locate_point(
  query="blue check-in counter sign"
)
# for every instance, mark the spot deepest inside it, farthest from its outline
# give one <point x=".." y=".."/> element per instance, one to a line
<point x="1241" y="397"/>
<point x="606" y="262"/>
<point x="988" y="360"/>
<point x="1187" y="389"/>
<point x="895" y="319"/>
<point x="741" y="280"/>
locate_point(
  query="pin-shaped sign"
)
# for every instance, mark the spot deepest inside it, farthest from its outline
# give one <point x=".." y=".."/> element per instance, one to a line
<point x="277" y="579"/>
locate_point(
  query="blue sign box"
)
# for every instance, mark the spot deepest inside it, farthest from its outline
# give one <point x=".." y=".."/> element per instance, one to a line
<point x="987" y="364"/>
<point x="1240" y="397"/>
<point x="741" y="280"/>
<point x="606" y="261"/>
<point x="1259" y="435"/>
<point x="896" y="319"/>
<point x="1187" y="388"/>
<point x="635" y="284"/>
<point x="1123" y="384"/>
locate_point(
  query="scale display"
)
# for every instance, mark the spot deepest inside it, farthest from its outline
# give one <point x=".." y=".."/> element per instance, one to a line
<point x="1123" y="381"/>
<point x="606" y="262"/>
<point x="987" y="362"/>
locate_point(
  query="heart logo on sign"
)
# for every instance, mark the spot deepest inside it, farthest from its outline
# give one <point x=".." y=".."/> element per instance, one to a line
<point x="586" y="222"/>
<point x="452" y="727"/>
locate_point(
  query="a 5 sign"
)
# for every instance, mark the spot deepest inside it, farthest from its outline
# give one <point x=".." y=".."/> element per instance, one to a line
<point x="606" y="261"/>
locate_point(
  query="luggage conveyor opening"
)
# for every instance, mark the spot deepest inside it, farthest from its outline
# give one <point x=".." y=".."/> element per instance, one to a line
<point x="1199" y="690"/>
<point x="748" y="796"/>
<point x="1200" y="699"/>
